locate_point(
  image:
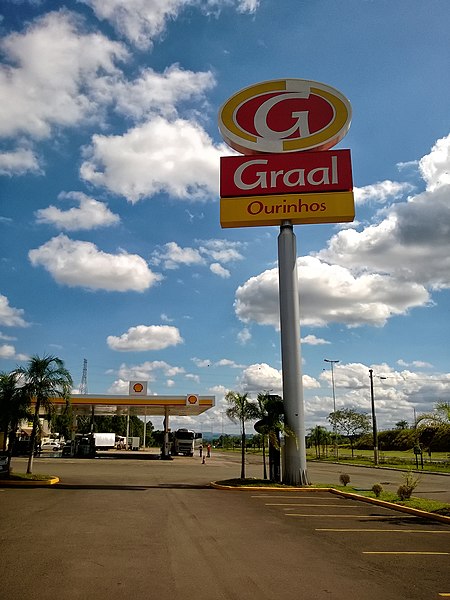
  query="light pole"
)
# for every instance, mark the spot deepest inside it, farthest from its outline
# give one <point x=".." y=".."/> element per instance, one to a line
<point x="374" y="419"/>
<point x="332" y="363"/>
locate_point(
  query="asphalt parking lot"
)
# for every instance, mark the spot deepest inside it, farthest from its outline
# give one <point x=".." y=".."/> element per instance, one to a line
<point x="155" y="529"/>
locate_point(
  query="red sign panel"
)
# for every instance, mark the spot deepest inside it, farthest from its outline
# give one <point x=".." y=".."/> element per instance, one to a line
<point x="302" y="172"/>
<point x="285" y="115"/>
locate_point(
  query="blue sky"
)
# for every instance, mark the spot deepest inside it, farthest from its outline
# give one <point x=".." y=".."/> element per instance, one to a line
<point x="111" y="247"/>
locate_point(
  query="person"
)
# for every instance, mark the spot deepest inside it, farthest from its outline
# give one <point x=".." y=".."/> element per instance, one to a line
<point x="200" y="449"/>
<point x="208" y="450"/>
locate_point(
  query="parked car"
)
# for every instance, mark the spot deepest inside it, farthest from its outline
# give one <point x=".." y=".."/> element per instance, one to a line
<point x="53" y="445"/>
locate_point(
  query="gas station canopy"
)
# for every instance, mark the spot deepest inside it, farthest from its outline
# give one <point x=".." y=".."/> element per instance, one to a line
<point x="86" y="404"/>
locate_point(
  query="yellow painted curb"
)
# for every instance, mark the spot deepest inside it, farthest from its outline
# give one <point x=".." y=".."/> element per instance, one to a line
<point x="412" y="511"/>
<point x="28" y="482"/>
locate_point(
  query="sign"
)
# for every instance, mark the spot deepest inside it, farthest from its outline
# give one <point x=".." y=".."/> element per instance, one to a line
<point x="192" y="400"/>
<point x="253" y="211"/>
<point x="137" y="388"/>
<point x="325" y="171"/>
<point x="284" y="115"/>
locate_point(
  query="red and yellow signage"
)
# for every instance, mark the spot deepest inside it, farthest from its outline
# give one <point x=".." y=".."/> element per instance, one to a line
<point x="285" y="115"/>
<point x="253" y="211"/>
<point x="285" y="129"/>
<point x="327" y="171"/>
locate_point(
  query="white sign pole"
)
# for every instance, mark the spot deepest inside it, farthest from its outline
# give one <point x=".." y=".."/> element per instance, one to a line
<point x="294" y="456"/>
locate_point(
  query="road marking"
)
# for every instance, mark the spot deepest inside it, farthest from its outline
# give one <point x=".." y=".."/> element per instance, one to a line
<point x="294" y="504"/>
<point x="418" y="553"/>
<point x="351" y="516"/>
<point x="301" y="497"/>
<point x="446" y="595"/>
<point x="385" y="530"/>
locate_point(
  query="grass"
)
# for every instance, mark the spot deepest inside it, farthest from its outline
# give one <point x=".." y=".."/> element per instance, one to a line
<point x="27" y="477"/>
<point x="431" y="506"/>
<point x="439" y="462"/>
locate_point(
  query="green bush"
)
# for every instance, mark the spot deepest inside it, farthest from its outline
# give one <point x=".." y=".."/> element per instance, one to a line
<point x="406" y="489"/>
<point x="344" y="478"/>
<point x="377" y="488"/>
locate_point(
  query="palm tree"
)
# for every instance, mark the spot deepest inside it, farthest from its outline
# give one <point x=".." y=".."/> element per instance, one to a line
<point x="316" y="437"/>
<point x="44" y="378"/>
<point x="14" y="406"/>
<point x="241" y="409"/>
<point x="440" y="416"/>
<point x="263" y="430"/>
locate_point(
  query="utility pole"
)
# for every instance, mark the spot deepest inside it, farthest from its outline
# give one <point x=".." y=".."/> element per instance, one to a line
<point x="374" y="421"/>
<point x="332" y="363"/>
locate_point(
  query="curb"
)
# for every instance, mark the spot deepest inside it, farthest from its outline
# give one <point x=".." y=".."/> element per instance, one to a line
<point x="28" y="482"/>
<point x="406" y="509"/>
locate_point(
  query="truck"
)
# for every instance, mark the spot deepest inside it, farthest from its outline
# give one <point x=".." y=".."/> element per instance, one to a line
<point x="104" y="441"/>
<point x="186" y="441"/>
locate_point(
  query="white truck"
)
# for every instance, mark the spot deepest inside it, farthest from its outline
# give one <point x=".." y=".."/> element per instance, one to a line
<point x="104" y="441"/>
<point x="186" y="442"/>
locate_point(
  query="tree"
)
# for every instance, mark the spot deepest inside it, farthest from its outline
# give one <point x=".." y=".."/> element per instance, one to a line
<point x="430" y="424"/>
<point x="262" y="414"/>
<point x="43" y="379"/>
<point x="401" y="425"/>
<point x="320" y="437"/>
<point x="271" y="424"/>
<point x="14" y="406"/>
<point x="351" y="422"/>
<point x="241" y="410"/>
<point x="440" y="416"/>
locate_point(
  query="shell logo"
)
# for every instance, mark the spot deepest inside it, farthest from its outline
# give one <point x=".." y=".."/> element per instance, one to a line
<point x="138" y="387"/>
<point x="285" y="115"/>
<point x="192" y="399"/>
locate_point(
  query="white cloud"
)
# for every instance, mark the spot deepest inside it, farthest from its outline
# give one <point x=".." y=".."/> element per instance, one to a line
<point x="142" y="21"/>
<point x="201" y="362"/>
<point x="244" y="336"/>
<point x="381" y="192"/>
<point x="148" y="371"/>
<point x="172" y="256"/>
<point x="157" y="93"/>
<point x="329" y="293"/>
<point x="261" y="377"/>
<point x="226" y="362"/>
<point x="412" y="244"/>
<point x="417" y="364"/>
<point x="40" y="97"/>
<point x="399" y="395"/>
<point x="76" y="263"/>
<point x="147" y="160"/>
<point x="10" y="316"/>
<point x="435" y="166"/>
<point x="8" y="352"/>
<point x="217" y="269"/>
<point x="18" y="162"/>
<point x="91" y="214"/>
<point x="312" y="340"/>
<point x="145" y="337"/>
<point x="222" y="251"/>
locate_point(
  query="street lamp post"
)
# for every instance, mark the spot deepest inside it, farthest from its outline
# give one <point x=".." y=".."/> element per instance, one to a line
<point x="374" y="420"/>
<point x="332" y="363"/>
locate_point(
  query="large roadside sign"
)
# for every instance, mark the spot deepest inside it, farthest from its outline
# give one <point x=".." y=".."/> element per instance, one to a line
<point x="285" y="115"/>
<point x="285" y="129"/>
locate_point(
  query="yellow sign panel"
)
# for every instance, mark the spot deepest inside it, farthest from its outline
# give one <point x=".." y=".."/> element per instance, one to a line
<point x="253" y="211"/>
